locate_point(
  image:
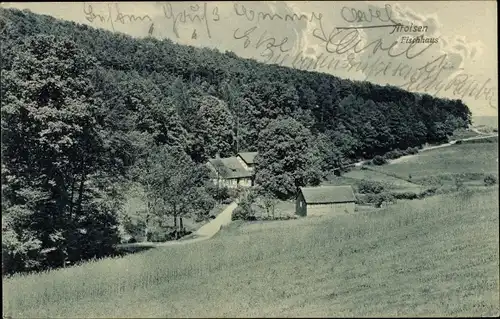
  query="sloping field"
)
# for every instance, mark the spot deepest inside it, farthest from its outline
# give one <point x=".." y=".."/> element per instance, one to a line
<point x="462" y="159"/>
<point x="463" y="133"/>
<point x="392" y="183"/>
<point x="431" y="257"/>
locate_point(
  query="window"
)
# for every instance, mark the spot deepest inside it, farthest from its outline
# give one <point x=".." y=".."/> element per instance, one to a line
<point x="300" y="204"/>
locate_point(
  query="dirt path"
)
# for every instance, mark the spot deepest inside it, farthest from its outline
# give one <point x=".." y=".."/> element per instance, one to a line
<point x="205" y="232"/>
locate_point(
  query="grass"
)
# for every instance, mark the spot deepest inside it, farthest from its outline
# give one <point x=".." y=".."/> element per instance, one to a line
<point x="433" y="257"/>
<point x="492" y="139"/>
<point x="463" y="133"/>
<point x="469" y="162"/>
<point x="464" y="159"/>
<point x="391" y="182"/>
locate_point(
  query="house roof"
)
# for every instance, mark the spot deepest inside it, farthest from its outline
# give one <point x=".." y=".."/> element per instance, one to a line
<point x="248" y="157"/>
<point x="328" y="194"/>
<point x="229" y="167"/>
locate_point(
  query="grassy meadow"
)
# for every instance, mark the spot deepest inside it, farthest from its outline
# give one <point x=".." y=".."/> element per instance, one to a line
<point x="392" y="183"/>
<point x="468" y="162"/>
<point x="430" y="257"/>
<point x="463" y="133"/>
<point x="465" y="161"/>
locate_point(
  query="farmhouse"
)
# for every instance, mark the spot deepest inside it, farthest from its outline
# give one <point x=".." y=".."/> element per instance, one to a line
<point x="325" y="200"/>
<point x="246" y="159"/>
<point x="233" y="171"/>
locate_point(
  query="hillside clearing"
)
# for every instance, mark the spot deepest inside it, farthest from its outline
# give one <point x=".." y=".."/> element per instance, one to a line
<point x="456" y="159"/>
<point x="437" y="256"/>
<point x="393" y="183"/>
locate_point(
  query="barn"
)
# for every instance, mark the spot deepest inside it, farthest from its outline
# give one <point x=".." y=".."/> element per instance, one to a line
<point x="325" y="200"/>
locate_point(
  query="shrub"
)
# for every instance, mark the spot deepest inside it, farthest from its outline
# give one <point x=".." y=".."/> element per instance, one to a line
<point x="373" y="187"/>
<point x="241" y="213"/>
<point x="490" y="180"/>
<point x="406" y="195"/>
<point x="245" y="211"/>
<point x="220" y="194"/>
<point x="379" y="160"/>
<point x="412" y="150"/>
<point x="428" y="192"/>
<point x="393" y="154"/>
<point x="375" y="199"/>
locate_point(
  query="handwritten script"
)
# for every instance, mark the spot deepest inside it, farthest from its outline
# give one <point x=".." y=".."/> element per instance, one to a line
<point x="113" y="15"/>
<point x="347" y="45"/>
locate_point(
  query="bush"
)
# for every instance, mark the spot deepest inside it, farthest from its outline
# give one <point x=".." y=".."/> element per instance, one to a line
<point x="406" y="195"/>
<point x="411" y="150"/>
<point x="220" y="194"/>
<point x="490" y="180"/>
<point x="370" y="187"/>
<point x="393" y="154"/>
<point x="379" y="160"/>
<point x="387" y="198"/>
<point x="241" y="213"/>
<point x="245" y="211"/>
<point x="375" y="199"/>
<point x="428" y="192"/>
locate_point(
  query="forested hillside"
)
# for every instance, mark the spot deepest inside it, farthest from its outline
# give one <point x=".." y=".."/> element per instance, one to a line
<point x="85" y="111"/>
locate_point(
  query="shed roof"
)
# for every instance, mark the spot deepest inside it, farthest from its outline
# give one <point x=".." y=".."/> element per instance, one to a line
<point x="328" y="194"/>
<point x="229" y="167"/>
<point x="248" y="157"/>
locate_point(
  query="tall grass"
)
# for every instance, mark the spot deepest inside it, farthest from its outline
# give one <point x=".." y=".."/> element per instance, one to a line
<point x="437" y="256"/>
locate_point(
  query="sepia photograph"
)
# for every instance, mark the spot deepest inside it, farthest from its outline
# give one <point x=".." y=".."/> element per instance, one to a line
<point x="250" y="159"/>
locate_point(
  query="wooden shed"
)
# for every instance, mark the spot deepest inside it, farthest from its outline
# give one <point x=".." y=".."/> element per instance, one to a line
<point x="325" y="200"/>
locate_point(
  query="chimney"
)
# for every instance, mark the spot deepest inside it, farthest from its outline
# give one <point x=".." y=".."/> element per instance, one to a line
<point x="217" y="155"/>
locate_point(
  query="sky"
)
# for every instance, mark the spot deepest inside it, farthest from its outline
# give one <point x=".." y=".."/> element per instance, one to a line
<point x="455" y="58"/>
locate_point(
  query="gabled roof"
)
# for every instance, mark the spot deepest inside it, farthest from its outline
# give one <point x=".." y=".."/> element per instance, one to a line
<point x="248" y="157"/>
<point x="229" y="167"/>
<point x="328" y="194"/>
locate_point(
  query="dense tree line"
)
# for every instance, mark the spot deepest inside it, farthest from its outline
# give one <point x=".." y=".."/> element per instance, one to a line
<point x="85" y="110"/>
